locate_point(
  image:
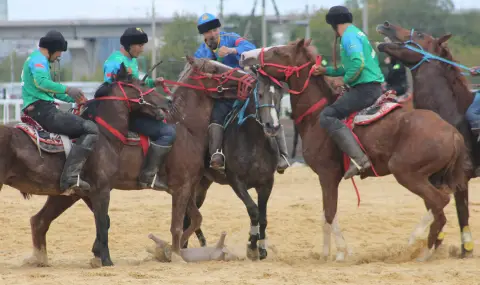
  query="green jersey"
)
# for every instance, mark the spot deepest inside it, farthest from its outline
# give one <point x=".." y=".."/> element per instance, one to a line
<point x="359" y="59"/>
<point x="37" y="83"/>
<point x="112" y="65"/>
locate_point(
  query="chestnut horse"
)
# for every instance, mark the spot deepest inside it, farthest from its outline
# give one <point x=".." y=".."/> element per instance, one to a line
<point x="441" y="88"/>
<point x="412" y="145"/>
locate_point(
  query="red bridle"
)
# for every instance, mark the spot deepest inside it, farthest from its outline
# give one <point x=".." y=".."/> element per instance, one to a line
<point x="289" y="71"/>
<point x="125" y="98"/>
<point x="245" y="83"/>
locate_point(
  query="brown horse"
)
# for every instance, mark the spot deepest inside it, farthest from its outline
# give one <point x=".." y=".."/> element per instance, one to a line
<point x="411" y="145"/>
<point x="192" y="104"/>
<point x="439" y="87"/>
<point x="23" y="168"/>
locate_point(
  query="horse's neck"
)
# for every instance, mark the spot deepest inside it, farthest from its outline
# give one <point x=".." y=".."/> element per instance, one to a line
<point x="435" y="91"/>
<point x="117" y="118"/>
<point x="300" y="103"/>
<point x="192" y="109"/>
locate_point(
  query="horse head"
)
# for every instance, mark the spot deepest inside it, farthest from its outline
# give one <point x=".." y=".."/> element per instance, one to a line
<point x="139" y="97"/>
<point x="397" y="38"/>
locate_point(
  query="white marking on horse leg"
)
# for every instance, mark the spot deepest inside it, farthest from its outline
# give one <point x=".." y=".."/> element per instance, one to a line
<point x="425" y="222"/>
<point x="327" y="232"/>
<point x="273" y="113"/>
<point x="262" y="243"/>
<point x="342" y="249"/>
<point x="467" y="239"/>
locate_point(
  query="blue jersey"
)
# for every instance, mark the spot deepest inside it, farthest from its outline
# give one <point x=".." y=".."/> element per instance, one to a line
<point x="231" y="40"/>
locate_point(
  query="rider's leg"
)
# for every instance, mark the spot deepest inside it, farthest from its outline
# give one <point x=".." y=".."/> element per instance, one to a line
<point x="86" y="132"/>
<point x="161" y="137"/>
<point x="473" y="117"/>
<point x="221" y="108"/>
<point x="357" y="98"/>
<point x="282" y="151"/>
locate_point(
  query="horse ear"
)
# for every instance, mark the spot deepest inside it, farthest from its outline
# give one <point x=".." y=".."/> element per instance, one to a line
<point x="308" y="42"/>
<point x="190" y="59"/>
<point x="122" y="72"/>
<point x="301" y="43"/>
<point x="443" y="39"/>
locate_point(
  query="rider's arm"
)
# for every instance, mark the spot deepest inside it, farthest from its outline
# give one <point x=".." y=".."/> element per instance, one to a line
<point x="42" y="78"/>
<point x="150" y="82"/>
<point x="354" y="51"/>
<point x="64" y="97"/>
<point x="241" y="45"/>
<point x="335" y="72"/>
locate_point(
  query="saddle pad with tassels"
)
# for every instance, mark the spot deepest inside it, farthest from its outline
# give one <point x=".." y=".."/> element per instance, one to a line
<point x="384" y="105"/>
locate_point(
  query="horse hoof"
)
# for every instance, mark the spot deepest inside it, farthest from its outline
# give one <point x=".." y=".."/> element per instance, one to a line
<point x="34" y="261"/>
<point x="96" y="262"/>
<point x="426" y="255"/>
<point x="466" y="253"/>
<point x="340" y="256"/>
<point x="107" y="262"/>
<point x="252" y="254"/>
<point x="262" y="253"/>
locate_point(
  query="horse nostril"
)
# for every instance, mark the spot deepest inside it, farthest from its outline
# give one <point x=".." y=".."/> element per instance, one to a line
<point x="386" y="24"/>
<point x="268" y="125"/>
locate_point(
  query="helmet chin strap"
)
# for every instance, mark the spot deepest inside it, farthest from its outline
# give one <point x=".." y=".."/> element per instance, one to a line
<point x="128" y="51"/>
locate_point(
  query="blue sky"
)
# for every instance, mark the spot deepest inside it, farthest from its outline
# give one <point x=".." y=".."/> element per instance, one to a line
<point x="83" y="9"/>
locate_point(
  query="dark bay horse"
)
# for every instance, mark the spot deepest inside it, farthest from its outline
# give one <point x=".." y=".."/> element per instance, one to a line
<point x="251" y="155"/>
<point x="412" y="145"/>
<point x="441" y="88"/>
<point x="192" y="103"/>
<point x="22" y="168"/>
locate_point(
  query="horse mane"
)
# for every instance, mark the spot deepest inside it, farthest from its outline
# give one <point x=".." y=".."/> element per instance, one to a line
<point x="177" y="101"/>
<point x="459" y="82"/>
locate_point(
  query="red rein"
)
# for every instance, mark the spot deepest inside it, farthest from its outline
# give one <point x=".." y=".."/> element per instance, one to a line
<point x="244" y="83"/>
<point x="139" y="100"/>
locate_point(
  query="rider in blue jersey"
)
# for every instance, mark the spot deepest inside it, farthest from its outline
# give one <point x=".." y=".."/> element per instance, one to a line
<point x="227" y="48"/>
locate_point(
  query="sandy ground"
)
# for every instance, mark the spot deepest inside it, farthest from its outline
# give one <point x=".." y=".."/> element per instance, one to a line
<point x="377" y="232"/>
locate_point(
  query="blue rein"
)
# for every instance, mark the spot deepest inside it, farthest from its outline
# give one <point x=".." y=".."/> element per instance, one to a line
<point x="241" y="113"/>
<point x="428" y="56"/>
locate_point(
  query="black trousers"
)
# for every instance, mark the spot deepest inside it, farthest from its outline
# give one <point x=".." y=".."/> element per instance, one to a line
<point x="356" y="99"/>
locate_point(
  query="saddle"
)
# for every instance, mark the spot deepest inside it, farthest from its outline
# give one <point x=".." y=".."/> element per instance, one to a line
<point x="385" y="104"/>
<point x="56" y="143"/>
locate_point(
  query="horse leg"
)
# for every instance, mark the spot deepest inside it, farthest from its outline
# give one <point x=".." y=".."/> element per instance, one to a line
<point x="180" y="199"/>
<point x="195" y="218"/>
<point x="329" y="180"/>
<point x="100" y="202"/>
<point x="200" y="195"/>
<point x="88" y="202"/>
<point x="40" y="223"/>
<point x="295" y="140"/>
<point x="263" y="194"/>
<point x="435" y="199"/>
<point x="241" y="190"/>
<point x="461" y="202"/>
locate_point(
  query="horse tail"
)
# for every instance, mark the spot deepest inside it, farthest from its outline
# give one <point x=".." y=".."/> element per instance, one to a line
<point x="455" y="177"/>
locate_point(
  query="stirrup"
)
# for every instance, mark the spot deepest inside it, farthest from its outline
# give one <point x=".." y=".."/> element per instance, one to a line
<point x="218" y="151"/>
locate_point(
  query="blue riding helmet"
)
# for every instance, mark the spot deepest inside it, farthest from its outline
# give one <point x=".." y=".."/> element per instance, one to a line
<point x="207" y="22"/>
